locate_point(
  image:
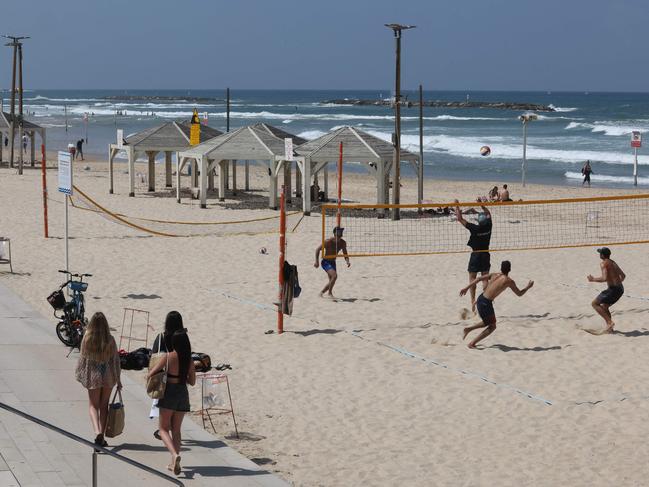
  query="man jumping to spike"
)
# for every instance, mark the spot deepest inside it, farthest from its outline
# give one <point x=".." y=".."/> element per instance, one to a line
<point x="480" y="260"/>
<point x="332" y="246"/>
<point x="613" y="276"/>
<point x="496" y="284"/>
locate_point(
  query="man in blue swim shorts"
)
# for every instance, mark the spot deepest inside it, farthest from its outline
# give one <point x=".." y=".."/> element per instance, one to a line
<point x="613" y="276"/>
<point x="332" y="247"/>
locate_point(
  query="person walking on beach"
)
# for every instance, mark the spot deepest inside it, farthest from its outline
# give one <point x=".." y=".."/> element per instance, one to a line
<point x="332" y="246"/>
<point x="98" y="370"/>
<point x="586" y="171"/>
<point x="24" y="144"/>
<point x="614" y="277"/>
<point x="496" y="283"/>
<point x="79" y="149"/>
<point x="175" y="402"/>
<point x="162" y="343"/>
<point x="480" y="260"/>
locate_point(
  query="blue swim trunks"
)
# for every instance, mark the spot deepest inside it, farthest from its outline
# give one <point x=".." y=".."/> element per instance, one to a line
<point x="328" y="264"/>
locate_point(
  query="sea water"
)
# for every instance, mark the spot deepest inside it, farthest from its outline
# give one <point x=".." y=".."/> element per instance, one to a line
<point x="594" y="126"/>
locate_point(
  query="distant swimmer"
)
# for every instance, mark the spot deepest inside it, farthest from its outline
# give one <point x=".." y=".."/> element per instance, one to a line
<point x="586" y="171"/>
<point x="496" y="284"/>
<point x="480" y="260"/>
<point x="332" y="247"/>
<point x="614" y="277"/>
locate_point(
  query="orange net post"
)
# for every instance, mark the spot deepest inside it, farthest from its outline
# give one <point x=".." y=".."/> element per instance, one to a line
<point x="340" y="183"/>
<point x="44" y="177"/>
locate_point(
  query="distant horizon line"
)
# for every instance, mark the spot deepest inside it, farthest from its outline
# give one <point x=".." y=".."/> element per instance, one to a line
<point x="388" y="90"/>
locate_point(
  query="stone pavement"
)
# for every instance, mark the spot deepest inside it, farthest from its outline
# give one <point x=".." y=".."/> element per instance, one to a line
<point x="37" y="377"/>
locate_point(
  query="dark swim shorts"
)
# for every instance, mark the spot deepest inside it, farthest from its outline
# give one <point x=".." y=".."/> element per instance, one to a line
<point x="479" y="262"/>
<point x="486" y="310"/>
<point x="328" y="264"/>
<point x="610" y="295"/>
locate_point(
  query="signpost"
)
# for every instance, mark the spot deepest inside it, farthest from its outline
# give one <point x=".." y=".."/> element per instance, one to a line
<point x="120" y="138"/>
<point x="636" y="142"/>
<point x="65" y="187"/>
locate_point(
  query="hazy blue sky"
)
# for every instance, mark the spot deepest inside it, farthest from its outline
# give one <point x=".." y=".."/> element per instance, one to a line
<point x="458" y="44"/>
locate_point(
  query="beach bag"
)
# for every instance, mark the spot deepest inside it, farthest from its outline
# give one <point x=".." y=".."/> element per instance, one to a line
<point x="157" y="383"/>
<point x="116" y="417"/>
<point x="202" y="362"/>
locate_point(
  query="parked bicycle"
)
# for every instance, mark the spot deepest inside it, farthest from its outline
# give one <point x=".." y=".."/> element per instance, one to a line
<point x="73" y="322"/>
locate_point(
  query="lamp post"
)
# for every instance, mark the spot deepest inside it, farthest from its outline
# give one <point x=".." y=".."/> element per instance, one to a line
<point x="17" y="53"/>
<point x="396" y="136"/>
<point x="526" y="118"/>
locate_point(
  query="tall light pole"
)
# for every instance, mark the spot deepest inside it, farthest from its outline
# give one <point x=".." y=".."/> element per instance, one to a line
<point x="396" y="136"/>
<point x="526" y="118"/>
<point x="17" y="48"/>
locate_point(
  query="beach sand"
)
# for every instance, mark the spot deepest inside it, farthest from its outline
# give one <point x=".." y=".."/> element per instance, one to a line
<point x="377" y="388"/>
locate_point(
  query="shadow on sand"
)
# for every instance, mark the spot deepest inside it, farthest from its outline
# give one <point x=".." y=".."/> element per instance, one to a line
<point x="506" y="348"/>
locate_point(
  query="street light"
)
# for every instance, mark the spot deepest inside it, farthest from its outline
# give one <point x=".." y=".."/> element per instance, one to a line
<point x="17" y="53"/>
<point x="396" y="136"/>
<point x="526" y="118"/>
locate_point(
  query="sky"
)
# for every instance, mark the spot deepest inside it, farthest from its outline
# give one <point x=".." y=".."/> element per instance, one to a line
<point x="567" y="45"/>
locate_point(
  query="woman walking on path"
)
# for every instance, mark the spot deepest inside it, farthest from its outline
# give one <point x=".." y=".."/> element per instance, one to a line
<point x="162" y="343"/>
<point x="98" y="370"/>
<point x="175" y="403"/>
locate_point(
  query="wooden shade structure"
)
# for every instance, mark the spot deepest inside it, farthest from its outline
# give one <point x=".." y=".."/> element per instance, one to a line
<point x="169" y="137"/>
<point x="358" y="146"/>
<point x="259" y="142"/>
<point x="29" y="128"/>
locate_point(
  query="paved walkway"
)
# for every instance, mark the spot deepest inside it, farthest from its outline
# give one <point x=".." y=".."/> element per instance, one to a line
<point x="38" y="378"/>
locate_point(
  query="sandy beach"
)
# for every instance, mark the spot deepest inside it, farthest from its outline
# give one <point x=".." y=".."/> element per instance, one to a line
<point x="377" y="388"/>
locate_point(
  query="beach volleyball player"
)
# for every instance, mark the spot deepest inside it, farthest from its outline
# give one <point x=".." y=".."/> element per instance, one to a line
<point x="332" y="246"/>
<point x="495" y="284"/>
<point x="480" y="260"/>
<point x="613" y="276"/>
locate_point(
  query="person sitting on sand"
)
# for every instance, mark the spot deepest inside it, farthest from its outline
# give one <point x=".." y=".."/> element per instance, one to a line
<point x="614" y="277"/>
<point x="332" y="246"/>
<point x="493" y="194"/>
<point x="480" y="260"/>
<point x="504" y="194"/>
<point x="496" y="284"/>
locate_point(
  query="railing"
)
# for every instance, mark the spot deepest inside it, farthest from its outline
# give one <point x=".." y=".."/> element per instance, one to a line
<point x="92" y="445"/>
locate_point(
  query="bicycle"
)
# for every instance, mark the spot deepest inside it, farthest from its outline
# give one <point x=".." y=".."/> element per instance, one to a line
<point x="73" y="322"/>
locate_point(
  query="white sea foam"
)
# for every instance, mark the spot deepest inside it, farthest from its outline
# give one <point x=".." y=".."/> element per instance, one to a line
<point x="563" y="109"/>
<point x="311" y="134"/>
<point x="501" y="149"/>
<point x="612" y="128"/>
<point x="605" y="178"/>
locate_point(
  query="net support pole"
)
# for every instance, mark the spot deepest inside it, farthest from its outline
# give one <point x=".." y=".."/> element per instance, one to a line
<point x="340" y="183"/>
<point x="44" y="178"/>
<point x="524" y="152"/>
<point x="282" y="249"/>
<point x="635" y="166"/>
<point x="420" y="167"/>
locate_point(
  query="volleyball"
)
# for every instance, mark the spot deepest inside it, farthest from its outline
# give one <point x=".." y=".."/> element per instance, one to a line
<point x="485" y="150"/>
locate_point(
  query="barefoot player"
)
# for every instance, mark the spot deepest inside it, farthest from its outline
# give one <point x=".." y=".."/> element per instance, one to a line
<point x="332" y="246"/>
<point x="496" y="284"/>
<point x="480" y="260"/>
<point x="613" y="276"/>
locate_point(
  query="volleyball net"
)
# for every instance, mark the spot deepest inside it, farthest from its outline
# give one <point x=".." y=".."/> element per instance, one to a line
<point x="169" y="228"/>
<point x="522" y="225"/>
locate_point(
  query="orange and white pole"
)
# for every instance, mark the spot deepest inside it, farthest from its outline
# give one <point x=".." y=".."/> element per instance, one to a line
<point x="340" y="183"/>
<point x="282" y="249"/>
<point x="44" y="176"/>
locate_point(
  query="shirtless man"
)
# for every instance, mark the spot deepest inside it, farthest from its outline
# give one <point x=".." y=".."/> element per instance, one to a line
<point x="504" y="194"/>
<point x="496" y="284"/>
<point x="480" y="260"/>
<point x="332" y="246"/>
<point x="613" y="276"/>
